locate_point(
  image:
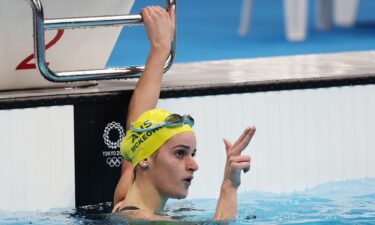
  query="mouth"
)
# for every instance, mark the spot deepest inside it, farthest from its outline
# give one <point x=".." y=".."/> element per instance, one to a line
<point x="187" y="180"/>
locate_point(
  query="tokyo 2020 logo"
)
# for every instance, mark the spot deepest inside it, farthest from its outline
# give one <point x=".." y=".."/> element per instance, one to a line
<point x="114" y="161"/>
<point x="117" y="127"/>
<point x="112" y="141"/>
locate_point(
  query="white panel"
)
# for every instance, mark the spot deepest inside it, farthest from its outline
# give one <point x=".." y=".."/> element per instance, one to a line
<point x="37" y="158"/>
<point x="304" y="137"/>
<point x="368" y="132"/>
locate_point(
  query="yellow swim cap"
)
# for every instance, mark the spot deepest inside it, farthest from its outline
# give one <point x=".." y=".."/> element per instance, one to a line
<point x="137" y="146"/>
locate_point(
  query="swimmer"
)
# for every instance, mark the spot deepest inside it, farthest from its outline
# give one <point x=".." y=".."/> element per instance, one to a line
<point x="159" y="146"/>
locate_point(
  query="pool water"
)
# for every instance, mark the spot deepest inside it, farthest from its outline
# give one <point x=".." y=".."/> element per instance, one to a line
<point x="341" y="202"/>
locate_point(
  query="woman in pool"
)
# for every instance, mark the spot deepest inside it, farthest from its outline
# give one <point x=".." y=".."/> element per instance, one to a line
<point x="159" y="147"/>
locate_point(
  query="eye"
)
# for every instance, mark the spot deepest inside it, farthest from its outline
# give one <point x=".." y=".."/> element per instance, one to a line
<point x="194" y="153"/>
<point x="180" y="153"/>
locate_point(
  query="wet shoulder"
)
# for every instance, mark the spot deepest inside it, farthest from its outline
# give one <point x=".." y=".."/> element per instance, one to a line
<point x="139" y="214"/>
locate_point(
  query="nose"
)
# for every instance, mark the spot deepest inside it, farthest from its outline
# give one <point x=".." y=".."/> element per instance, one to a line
<point x="192" y="165"/>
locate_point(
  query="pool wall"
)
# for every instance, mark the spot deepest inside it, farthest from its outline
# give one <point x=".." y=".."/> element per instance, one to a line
<point x="314" y="118"/>
<point x="37" y="158"/>
<point x="303" y="138"/>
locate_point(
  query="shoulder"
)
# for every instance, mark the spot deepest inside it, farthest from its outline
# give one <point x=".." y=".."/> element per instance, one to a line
<point x="140" y="214"/>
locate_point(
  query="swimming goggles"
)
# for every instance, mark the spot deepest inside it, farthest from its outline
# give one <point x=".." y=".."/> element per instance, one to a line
<point x="173" y="120"/>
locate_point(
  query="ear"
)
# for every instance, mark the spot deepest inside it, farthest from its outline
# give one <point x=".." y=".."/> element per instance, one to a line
<point x="144" y="164"/>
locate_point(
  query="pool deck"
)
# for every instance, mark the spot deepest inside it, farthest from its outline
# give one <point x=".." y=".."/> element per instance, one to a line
<point x="226" y="76"/>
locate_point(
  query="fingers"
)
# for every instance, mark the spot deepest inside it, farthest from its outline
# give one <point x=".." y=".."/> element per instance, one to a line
<point x="239" y="159"/>
<point x="244" y="142"/>
<point x="150" y="12"/>
<point x="240" y="162"/>
<point x="245" y="166"/>
<point x="145" y="14"/>
<point x="156" y="11"/>
<point x="172" y="13"/>
<point x="243" y="135"/>
<point x="159" y="10"/>
<point x="245" y="170"/>
<point x="227" y="144"/>
<point x="159" y="27"/>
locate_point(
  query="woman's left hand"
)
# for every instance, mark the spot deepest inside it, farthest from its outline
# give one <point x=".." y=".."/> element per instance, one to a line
<point x="160" y="26"/>
<point x="235" y="161"/>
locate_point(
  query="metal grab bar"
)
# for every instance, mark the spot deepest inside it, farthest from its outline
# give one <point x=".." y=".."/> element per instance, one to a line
<point x="41" y="24"/>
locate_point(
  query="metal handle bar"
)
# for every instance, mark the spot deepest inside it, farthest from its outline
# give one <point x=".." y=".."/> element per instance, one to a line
<point x="41" y="24"/>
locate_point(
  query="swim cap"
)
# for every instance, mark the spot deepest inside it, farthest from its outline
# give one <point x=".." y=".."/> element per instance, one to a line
<point x="137" y="146"/>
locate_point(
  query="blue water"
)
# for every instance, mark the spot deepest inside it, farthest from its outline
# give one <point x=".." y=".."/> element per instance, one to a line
<point x="341" y="202"/>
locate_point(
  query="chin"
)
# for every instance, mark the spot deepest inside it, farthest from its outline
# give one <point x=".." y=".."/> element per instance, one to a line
<point x="180" y="195"/>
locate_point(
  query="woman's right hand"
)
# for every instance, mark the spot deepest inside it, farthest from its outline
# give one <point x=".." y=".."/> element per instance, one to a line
<point x="160" y="26"/>
<point x="236" y="162"/>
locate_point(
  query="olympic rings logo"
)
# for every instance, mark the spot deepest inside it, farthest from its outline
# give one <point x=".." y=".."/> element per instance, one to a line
<point x="114" y="161"/>
<point x="107" y="130"/>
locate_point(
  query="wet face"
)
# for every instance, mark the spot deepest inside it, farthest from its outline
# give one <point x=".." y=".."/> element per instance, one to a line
<point x="173" y="165"/>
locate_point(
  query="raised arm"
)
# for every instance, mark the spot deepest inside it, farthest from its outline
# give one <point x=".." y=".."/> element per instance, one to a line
<point x="160" y="27"/>
<point x="226" y="208"/>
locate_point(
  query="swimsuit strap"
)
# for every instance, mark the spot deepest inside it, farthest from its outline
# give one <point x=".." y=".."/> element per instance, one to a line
<point x="126" y="208"/>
